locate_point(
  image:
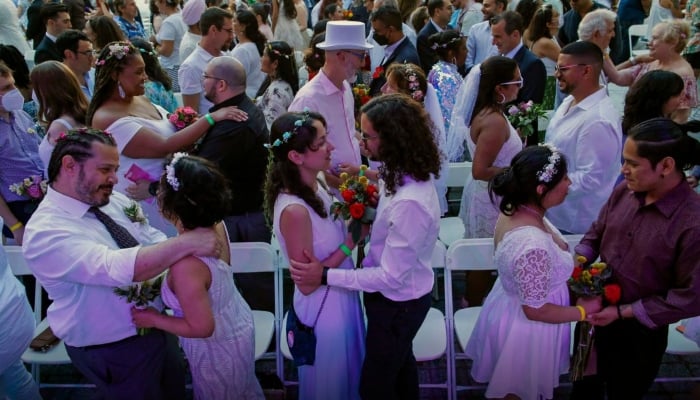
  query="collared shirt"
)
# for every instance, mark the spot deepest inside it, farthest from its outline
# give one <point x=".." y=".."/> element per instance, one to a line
<point x="389" y="50"/>
<point x="436" y="26"/>
<point x="19" y="153"/>
<point x="190" y="73"/>
<point x="589" y="135"/>
<point x="469" y="17"/>
<point x="398" y="264"/>
<point x="338" y="108"/>
<point x="515" y="50"/>
<point x="89" y="85"/>
<point x="653" y="250"/>
<point x="376" y="53"/>
<point x="79" y="264"/>
<point x="188" y="44"/>
<point x="130" y="30"/>
<point x="479" y="44"/>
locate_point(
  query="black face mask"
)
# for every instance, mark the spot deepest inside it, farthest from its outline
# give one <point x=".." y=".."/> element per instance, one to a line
<point x="380" y="39"/>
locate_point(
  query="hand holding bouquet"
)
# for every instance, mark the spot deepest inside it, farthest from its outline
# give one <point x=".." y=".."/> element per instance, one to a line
<point x="524" y="115"/>
<point x="360" y="202"/>
<point x="183" y="117"/>
<point x="141" y="295"/>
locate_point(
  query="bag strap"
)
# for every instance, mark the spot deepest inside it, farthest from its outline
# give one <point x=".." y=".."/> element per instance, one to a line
<point x="323" y="302"/>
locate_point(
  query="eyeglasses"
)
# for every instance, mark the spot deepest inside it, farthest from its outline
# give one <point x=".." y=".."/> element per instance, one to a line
<point x="366" y="137"/>
<point x="359" y="54"/>
<point x="562" y="68"/>
<point x="518" y="82"/>
<point x="205" y="76"/>
<point x="87" y="53"/>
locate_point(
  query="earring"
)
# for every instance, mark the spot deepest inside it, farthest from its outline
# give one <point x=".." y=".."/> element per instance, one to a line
<point x="121" y="90"/>
<point x="502" y="99"/>
<point x="454" y="61"/>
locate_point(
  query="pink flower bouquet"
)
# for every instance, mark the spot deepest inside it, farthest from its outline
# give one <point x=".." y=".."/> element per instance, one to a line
<point x="183" y="117"/>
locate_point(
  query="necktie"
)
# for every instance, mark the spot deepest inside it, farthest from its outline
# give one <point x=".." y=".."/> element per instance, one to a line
<point x="120" y="235"/>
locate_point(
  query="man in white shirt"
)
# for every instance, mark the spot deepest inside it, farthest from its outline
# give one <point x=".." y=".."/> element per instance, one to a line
<point x="397" y="276"/>
<point x="586" y="129"/>
<point x="217" y="31"/>
<point x="81" y="244"/>
<point x="479" y="42"/>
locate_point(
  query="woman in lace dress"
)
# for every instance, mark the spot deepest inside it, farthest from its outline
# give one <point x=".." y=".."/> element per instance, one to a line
<point x="214" y="323"/>
<point x="492" y="143"/>
<point x="520" y="343"/>
<point x="282" y="82"/>
<point x="285" y="26"/>
<point x="299" y="207"/>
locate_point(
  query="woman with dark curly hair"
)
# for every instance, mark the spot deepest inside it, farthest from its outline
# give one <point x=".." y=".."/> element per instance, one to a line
<point x="299" y="207"/>
<point x="249" y="49"/>
<point x="656" y="94"/>
<point x="282" y="81"/>
<point x="159" y="88"/>
<point x="214" y="323"/>
<point x="397" y="276"/>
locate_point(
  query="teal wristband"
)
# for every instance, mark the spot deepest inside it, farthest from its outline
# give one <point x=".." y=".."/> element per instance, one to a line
<point x="209" y="119"/>
<point x="345" y="249"/>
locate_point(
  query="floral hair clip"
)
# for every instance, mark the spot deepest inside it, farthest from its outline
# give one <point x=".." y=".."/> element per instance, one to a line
<point x="170" y="171"/>
<point x="144" y="51"/>
<point x="436" y="46"/>
<point x="277" y="52"/>
<point x="288" y="134"/>
<point x="546" y="174"/>
<point x="117" y="51"/>
<point x="414" y="85"/>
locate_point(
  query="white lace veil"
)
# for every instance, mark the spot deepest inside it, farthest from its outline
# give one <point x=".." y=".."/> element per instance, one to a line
<point x="462" y="113"/>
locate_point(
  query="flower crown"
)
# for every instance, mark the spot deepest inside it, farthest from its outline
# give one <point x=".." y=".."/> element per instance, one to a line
<point x="288" y="134"/>
<point x="413" y="84"/>
<point x="170" y="171"/>
<point x="117" y="51"/>
<point x="546" y="174"/>
<point x="64" y="135"/>
<point x="436" y="46"/>
<point x="277" y="52"/>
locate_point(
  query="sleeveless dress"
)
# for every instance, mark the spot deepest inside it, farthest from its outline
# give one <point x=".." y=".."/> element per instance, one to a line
<point x="222" y="365"/>
<point x="123" y="130"/>
<point x="340" y="331"/>
<point x="288" y="30"/>
<point x="511" y="352"/>
<point x="477" y="212"/>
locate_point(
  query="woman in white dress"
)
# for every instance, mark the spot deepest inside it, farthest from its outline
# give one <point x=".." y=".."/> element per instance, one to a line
<point x="141" y="129"/>
<point x="214" y="323"/>
<point x="541" y="40"/>
<point x="169" y="37"/>
<point x="282" y="82"/>
<point x="249" y="49"/>
<point x="520" y="343"/>
<point x="299" y="208"/>
<point x="285" y="26"/>
<point x="492" y="143"/>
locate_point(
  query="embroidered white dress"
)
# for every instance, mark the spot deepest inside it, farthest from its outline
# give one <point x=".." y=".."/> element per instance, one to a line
<point x="477" y="212"/>
<point x="222" y="365"/>
<point x="512" y="353"/>
<point x="340" y="331"/>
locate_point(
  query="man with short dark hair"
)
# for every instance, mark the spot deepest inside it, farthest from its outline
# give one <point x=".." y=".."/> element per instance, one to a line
<point x="440" y="12"/>
<point x="76" y="49"/>
<point x="56" y="20"/>
<point x="386" y="27"/>
<point x="479" y="41"/>
<point x="81" y="244"/>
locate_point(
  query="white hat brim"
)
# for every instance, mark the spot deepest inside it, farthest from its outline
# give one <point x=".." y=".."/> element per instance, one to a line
<point x="344" y="46"/>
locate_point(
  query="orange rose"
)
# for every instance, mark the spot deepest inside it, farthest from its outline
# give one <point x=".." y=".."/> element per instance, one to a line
<point x="612" y="293"/>
<point x="357" y="210"/>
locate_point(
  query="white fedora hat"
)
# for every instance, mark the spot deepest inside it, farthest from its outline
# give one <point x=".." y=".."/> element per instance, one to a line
<point x="345" y="35"/>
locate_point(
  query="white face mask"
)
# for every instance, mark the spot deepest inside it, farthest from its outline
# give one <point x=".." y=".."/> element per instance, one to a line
<point x="12" y="100"/>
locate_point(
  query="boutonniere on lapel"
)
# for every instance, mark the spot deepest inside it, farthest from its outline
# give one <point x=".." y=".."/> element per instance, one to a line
<point x="135" y="213"/>
<point x="378" y="72"/>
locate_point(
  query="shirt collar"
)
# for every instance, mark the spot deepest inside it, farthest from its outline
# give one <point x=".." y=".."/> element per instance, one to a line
<point x="326" y="84"/>
<point x="50" y="36"/>
<point x="233" y="101"/>
<point x="511" y="54"/>
<point x="388" y="50"/>
<point x="436" y="25"/>
<point x="69" y="204"/>
<point x="671" y="201"/>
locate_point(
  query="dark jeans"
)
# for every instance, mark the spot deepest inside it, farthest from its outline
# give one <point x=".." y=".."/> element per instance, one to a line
<point x="629" y="355"/>
<point x="148" y="367"/>
<point x="389" y="371"/>
<point x="258" y="288"/>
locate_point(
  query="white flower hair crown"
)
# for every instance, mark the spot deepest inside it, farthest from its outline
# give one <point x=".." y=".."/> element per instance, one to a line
<point x="117" y="51"/>
<point x="546" y="174"/>
<point x="170" y="171"/>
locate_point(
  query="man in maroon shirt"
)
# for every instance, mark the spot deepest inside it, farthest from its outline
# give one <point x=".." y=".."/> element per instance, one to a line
<point x="649" y="233"/>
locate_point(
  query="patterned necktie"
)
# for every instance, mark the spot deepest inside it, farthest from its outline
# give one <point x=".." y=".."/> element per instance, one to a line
<point x="120" y="235"/>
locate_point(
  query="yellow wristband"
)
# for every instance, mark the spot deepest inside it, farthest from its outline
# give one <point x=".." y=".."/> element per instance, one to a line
<point x="582" y="311"/>
<point x="345" y="249"/>
<point x="209" y="119"/>
<point x="16" y="226"/>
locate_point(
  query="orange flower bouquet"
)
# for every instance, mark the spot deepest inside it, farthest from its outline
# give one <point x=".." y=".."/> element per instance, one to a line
<point x="359" y="204"/>
<point x="588" y="280"/>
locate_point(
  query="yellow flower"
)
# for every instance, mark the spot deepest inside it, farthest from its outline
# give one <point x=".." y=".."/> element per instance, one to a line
<point x="363" y="180"/>
<point x="586" y="274"/>
<point x="581" y="259"/>
<point x="344" y="176"/>
<point x="342" y="187"/>
<point x="363" y="167"/>
<point x="599" y="265"/>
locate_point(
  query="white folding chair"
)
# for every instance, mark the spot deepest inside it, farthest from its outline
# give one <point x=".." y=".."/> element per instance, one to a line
<point x="639" y="31"/>
<point x="57" y="354"/>
<point x="452" y="228"/>
<point x="178" y="99"/>
<point x="249" y="257"/>
<point x="681" y="346"/>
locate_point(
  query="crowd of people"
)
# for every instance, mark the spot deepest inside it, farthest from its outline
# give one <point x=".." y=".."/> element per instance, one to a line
<point x="137" y="152"/>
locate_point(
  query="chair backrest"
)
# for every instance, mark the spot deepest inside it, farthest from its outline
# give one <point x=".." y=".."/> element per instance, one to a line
<point x="470" y="254"/>
<point x="438" y="258"/>
<point x="178" y="99"/>
<point x="457" y="173"/>
<point x="19" y="267"/>
<point x="252" y="257"/>
<point x="636" y="31"/>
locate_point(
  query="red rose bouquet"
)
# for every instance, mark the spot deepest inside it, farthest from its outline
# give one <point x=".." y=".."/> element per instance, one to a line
<point x="359" y="202"/>
<point x="589" y="280"/>
<point x="183" y="117"/>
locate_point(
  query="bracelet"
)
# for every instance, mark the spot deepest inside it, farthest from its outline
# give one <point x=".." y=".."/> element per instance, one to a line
<point x="324" y="276"/>
<point x="582" y="311"/>
<point x="633" y="60"/>
<point x="209" y="119"/>
<point x="619" y="312"/>
<point x="345" y="249"/>
<point x="16" y="226"/>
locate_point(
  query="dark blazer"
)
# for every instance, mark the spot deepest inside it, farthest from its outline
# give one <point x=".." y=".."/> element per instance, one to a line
<point x="534" y="75"/>
<point x="428" y="57"/>
<point x="405" y="52"/>
<point x="46" y="51"/>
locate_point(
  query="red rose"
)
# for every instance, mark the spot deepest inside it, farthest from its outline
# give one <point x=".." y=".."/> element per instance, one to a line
<point x="348" y="195"/>
<point x="365" y="99"/>
<point x="357" y="210"/>
<point x="612" y="293"/>
<point x="371" y="190"/>
<point x="577" y="273"/>
<point x="594" y="271"/>
<point x="379" y="71"/>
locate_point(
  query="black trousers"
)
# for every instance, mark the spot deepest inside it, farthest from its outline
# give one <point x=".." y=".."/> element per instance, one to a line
<point x="148" y="367"/>
<point x="629" y="356"/>
<point x="389" y="371"/>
